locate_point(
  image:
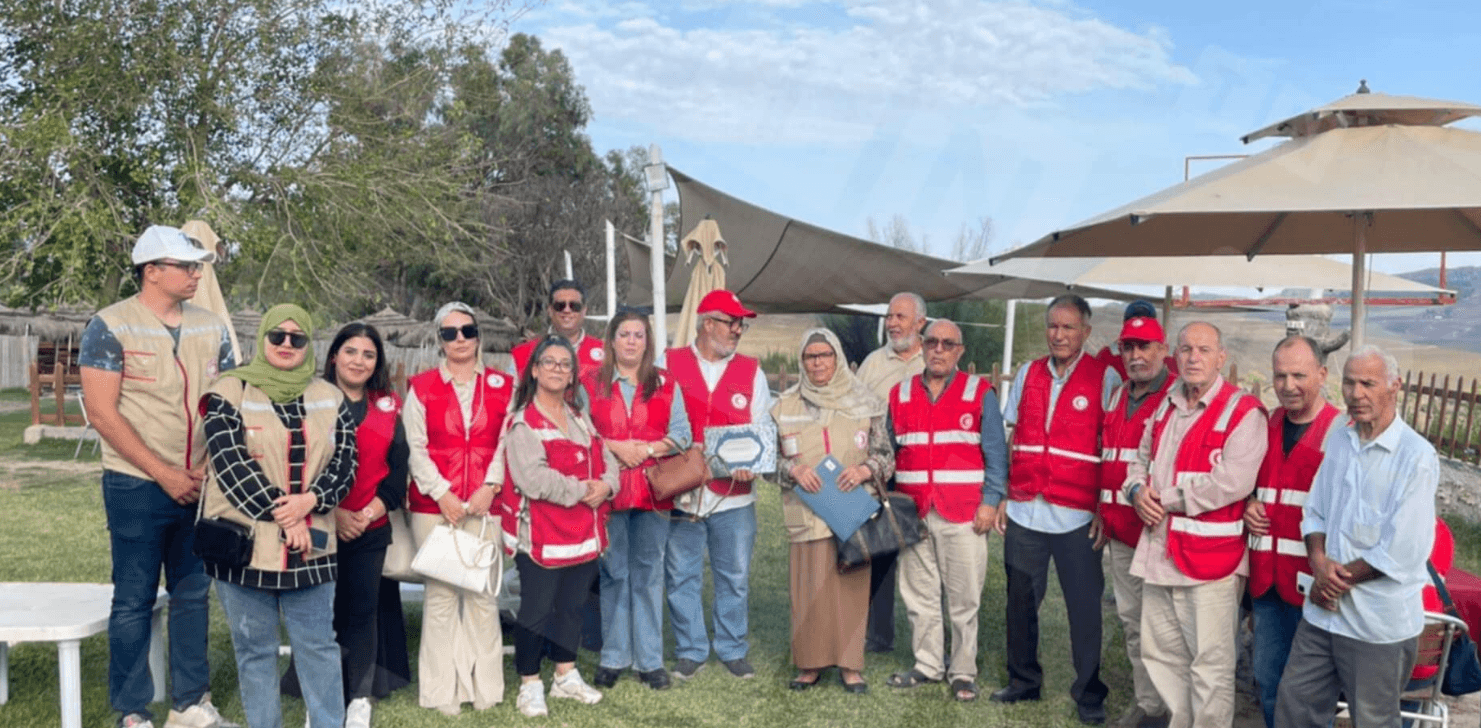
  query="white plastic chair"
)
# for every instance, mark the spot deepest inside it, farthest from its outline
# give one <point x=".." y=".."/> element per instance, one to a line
<point x="1439" y="634"/>
<point x="87" y="426"/>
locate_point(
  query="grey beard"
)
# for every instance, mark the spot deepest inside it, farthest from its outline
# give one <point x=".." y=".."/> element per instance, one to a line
<point x="905" y="344"/>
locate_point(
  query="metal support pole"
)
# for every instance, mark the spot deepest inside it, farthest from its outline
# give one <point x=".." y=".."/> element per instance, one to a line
<point x="1009" y="326"/>
<point x="656" y="243"/>
<point x="611" y="270"/>
<point x="1359" y="277"/>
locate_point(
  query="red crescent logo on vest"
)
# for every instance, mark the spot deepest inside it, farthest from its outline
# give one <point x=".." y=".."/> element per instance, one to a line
<point x="1080" y="403"/>
<point x="1216" y="457"/>
<point x="738" y="400"/>
<point x="965" y="422"/>
<point x="861" y="439"/>
<point x="385" y="404"/>
<point x="597" y="354"/>
<point x="496" y="380"/>
<point x="580" y="456"/>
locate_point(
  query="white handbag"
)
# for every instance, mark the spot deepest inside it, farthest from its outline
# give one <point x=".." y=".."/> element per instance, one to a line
<point x="460" y="558"/>
<point x="403" y="549"/>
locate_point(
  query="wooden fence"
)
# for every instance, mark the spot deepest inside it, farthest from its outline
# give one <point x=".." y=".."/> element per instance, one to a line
<point x="1445" y="415"/>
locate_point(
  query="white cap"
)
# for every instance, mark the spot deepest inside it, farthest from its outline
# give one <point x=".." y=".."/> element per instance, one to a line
<point x="160" y="242"/>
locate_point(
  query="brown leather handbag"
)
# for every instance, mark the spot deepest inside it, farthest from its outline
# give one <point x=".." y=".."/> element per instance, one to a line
<point x="677" y="474"/>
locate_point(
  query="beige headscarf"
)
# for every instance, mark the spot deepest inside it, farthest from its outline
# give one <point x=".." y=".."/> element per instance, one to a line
<point x="844" y="393"/>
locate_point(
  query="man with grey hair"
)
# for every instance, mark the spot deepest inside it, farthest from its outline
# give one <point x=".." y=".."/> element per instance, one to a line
<point x="897" y="361"/>
<point x="1364" y="608"/>
<point x="1195" y="466"/>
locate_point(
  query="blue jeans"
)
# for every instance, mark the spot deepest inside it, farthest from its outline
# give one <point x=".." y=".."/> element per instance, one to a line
<point x="1275" y="627"/>
<point x="146" y="530"/>
<point x="308" y="614"/>
<point x="632" y="590"/>
<point x="730" y="538"/>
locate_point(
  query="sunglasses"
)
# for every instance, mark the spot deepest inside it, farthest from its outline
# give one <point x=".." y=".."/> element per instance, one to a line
<point x="572" y="306"/>
<point x="295" y="339"/>
<point x="191" y="268"/>
<point x="450" y="333"/>
<point x="932" y="342"/>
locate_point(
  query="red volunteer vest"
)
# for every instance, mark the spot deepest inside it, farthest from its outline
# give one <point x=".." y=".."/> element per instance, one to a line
<point x="1275" y="559"/>
<point x="372" y="446"/>
<point x="1062" y="464"/>
<point x="560" y="535"/>
<point x="1207" y="546"/>
<point x="939" y="461"/>
<point x="647" y="421"/>
<point x="589" y="355"/>
<point x="729" y="404"/>
<point x="462" y="456"/>
<point x="1120" y="437"/>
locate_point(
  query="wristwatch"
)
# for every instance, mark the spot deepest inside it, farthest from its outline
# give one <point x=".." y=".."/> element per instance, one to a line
<point x="367" y="511"/>
<point x="650" y="450"/>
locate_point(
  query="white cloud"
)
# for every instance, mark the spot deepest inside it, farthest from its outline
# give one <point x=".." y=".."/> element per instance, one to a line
<point x="810" y="71"/>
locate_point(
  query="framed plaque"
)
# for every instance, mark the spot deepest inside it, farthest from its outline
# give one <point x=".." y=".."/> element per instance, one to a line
<point x="752" y="447"/>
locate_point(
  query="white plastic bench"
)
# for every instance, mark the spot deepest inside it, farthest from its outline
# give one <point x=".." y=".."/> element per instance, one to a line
<point x="65" y="614"/>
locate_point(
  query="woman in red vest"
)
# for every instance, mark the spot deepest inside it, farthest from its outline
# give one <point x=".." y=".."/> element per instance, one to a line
<point x="453" y="415"/>
<point x="639" y="412"/>
<point x="368" y="622"/>
<point x="555" y="521"/>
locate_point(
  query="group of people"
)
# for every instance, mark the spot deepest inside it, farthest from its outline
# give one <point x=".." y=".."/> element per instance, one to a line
<point x="1197" y="493"/>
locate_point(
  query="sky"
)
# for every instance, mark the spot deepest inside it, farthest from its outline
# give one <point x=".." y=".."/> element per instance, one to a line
<point x="1033" y="114"/>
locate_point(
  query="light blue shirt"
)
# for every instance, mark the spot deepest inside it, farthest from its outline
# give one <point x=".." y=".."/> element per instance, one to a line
<point x="1375" y="501"/>
<point x="1039" y="514"/>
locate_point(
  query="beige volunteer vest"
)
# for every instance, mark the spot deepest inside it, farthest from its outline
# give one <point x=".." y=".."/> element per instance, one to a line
<point x="162" y="385"/>
<point x="849" y="441"/>
<point x="267" y="442"/>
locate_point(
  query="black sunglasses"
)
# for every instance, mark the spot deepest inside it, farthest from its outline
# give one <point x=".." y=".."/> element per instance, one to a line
<point x="572" y="306"/>
<point x="295" y="339"/>
<point x="450" y="333"/>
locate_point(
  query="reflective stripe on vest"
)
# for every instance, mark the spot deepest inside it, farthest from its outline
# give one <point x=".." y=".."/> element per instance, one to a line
<point x="1282" y="546"/>
<point x="1183" y="524"/>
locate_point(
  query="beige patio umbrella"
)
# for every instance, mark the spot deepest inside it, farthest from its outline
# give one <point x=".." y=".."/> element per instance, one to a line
<point x="1367" y="173"/>
<point x="208" y="292"/>
<point x="708" y="274"/>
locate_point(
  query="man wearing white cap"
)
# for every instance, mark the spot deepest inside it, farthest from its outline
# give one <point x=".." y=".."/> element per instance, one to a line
<point x="720" y="387"/>
<point x="145" y="362"/>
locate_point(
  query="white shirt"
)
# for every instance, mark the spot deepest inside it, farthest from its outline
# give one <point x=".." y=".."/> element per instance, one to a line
<point x="1039" y="514"/>
<point x="1375" y="501"/>
<point x="709" y="501"/>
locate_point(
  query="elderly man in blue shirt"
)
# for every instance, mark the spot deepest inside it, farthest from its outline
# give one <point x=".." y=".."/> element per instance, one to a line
<point x="1363" y="610"/>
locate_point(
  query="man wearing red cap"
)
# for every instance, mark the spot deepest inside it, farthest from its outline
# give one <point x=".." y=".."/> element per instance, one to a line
<point x="1143" y="348"/>
<point x="720" y="387"/>
<point x="1297" y="444"/>
<point x="1056" y="405"/>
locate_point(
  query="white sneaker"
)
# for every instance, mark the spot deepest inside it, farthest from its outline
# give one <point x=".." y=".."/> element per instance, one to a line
<point x="570" y="685"/>
<point x="531" y="700"/>
<point x="134" y="720"/>
<point x="201" y="715"/>
<point x="357" y="715"/>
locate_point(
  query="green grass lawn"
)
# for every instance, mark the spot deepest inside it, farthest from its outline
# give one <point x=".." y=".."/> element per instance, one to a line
<point x="52" y="529"/>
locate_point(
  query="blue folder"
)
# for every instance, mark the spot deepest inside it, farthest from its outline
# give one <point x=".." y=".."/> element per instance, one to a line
<point x="843" y="512"/>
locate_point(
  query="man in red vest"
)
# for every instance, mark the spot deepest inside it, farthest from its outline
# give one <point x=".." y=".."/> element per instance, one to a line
<point x="1117" y="525"/>
<point x="1195" y="466"/>
<point x="720" y="387"/>
<point x="567" y="320"/>
<point x="1056" y="406"/>
<point x="1297" y="443"/>
<point x="951" y="459"/>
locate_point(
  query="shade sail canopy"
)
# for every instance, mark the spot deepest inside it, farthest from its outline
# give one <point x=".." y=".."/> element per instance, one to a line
<point x="1267" y="272"/>
<point x="781" y="265"/>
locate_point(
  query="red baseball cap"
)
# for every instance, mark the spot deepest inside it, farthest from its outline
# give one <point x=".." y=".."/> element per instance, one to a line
<point x="723" y="301"/>
<point x="1142" y="328"/>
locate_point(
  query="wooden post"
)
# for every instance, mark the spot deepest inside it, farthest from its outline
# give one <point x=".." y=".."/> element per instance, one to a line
<point x="1234" y="373"/>
<point x="1470" y="413"/>
<point x="1418" y="390"/>
<point x="59" y="391"/>
<point x="1429" y="407"/>
<point x="1460" y="396"/>
<point x="35" y="382"/>
<point x="1404" y="394"/>
<point x="1440" y="423"/>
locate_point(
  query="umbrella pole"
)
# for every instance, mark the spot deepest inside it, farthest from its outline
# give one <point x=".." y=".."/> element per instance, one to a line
<point x="1009" y="325"/>
<point x="1359" y="264"/>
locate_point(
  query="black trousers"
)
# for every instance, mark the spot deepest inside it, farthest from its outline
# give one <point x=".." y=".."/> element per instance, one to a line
<point x="1026" y="555"/>
<point x="551" y="602"/>
<point x="879" y="632"/>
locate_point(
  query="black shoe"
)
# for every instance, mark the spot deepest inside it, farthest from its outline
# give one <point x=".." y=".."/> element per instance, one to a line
<point x="685" y="668"/>
<point x="656" y="679"/>
<point x="1015" y="693"/>
<point x="740" y="668"/>
<point x="1091" y="714"/>
<point x="798" y="684"/>
<point x="605" y="677"/>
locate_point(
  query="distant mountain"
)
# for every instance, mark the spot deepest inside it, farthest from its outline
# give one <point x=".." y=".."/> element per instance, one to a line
<point x="1456" y="326"/>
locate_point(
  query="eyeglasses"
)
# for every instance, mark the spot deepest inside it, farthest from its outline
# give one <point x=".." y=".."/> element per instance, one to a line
<point x="295" y="339"/>
<point x="557" y="365"/>
<point x="572" y="306"/>
<point x="450" y="333"/>
<point x="810" y="358"/>
<point x="932" y="342"/>
<point x="191" y="268"/>
<point x="732" y="324"/>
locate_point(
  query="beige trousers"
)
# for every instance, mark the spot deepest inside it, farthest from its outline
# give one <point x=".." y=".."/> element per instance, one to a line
<point x="1188" y="648"/>
<point x="462" y="655"/>
<point x="953" y="556"/>
<point x="1128" y="591"/>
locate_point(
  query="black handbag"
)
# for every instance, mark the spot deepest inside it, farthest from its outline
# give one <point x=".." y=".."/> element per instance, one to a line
<point x="1462" y="667"/>
<point x="893" y="527"/>
<point x="219" y="541"/>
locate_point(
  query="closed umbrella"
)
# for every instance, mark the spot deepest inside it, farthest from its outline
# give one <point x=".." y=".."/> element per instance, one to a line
<point x="708" y="273"/>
